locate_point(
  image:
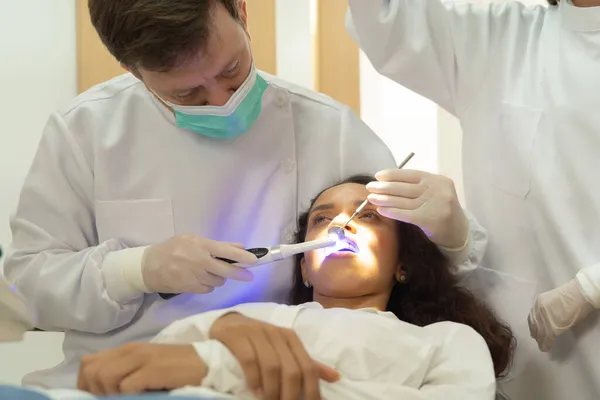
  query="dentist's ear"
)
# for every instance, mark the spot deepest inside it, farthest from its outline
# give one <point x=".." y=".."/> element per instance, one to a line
<point x="243" y="11"/>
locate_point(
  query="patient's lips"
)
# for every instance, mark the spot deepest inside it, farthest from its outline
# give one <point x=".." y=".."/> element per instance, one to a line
<point x="345" y="247"/>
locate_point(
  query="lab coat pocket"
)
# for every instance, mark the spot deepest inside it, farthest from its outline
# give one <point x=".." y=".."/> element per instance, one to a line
<point x="512" y="148"/>
<point x="135" y="222"/>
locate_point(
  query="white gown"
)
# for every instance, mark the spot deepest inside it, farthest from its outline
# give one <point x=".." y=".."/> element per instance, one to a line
<point x="378" y="356"/>
<point x="525" y="84"/>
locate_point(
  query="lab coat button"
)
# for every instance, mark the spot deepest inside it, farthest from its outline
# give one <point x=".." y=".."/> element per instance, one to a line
<point x="288" y="165"/>
<point x="281" y="99"/>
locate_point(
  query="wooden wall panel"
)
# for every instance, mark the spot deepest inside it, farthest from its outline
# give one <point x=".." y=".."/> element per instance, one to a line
<point x="262" y="28"/>
<point x="337" y="72"/>
<point x="95" y="64"/>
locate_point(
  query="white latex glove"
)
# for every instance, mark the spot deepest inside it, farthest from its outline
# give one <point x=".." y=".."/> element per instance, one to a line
<point x="426" y="200"/>
<point x="555" y="312"/>
<point x="186" y="264"/>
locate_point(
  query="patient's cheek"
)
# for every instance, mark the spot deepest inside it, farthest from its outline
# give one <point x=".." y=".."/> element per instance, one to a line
<point x="313" y="260"/>
<point x="385" y="246"/>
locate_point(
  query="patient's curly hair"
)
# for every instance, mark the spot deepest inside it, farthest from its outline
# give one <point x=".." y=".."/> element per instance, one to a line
<point x="431" y="294"/>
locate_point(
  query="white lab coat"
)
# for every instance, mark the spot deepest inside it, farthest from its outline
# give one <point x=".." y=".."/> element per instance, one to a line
<point x="524" y="82"/>
<point x="114" y="172"/>
<point x="16" y="317"/>
<point x="378" y="356"/>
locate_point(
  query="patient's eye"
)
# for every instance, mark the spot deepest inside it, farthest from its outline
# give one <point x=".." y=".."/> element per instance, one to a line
<point x="369" y="215"/>
<point x="319" y="219"/>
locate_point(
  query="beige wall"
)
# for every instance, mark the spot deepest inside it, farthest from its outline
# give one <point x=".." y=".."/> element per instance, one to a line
<point x="94" y="63"/>
<point x="336" y="55"/>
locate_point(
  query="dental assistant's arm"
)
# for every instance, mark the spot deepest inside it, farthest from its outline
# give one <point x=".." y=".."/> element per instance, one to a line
<point x="362" y="151"/>
<point x="589" y="281"/>
<point x="443" y="51"/>
<point x="469" y="256"/>
<point x="55" y="259"/>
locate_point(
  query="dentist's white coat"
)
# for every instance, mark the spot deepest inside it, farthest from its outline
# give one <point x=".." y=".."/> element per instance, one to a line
<point x="15" y="317"/>
<point x="525" y="84"/>
<point x="113" y="172"/>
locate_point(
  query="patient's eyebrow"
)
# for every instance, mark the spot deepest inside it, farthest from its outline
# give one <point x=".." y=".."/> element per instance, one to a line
<point x="329" y="206"/>
<point x="322" y="207"/>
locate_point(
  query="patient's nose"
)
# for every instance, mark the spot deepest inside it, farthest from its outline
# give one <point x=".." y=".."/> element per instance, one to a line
<point x="340" y="220"/>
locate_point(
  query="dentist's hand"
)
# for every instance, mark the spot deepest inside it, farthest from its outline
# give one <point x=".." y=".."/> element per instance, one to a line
<point x="186" y="264"/>
<point x="555" y="312"/>
<point x="426" y="200"/>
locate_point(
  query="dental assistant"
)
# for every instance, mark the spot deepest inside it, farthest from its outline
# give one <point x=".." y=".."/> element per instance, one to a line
<point x="524" y="83"/>
<point x="141" y="181"/>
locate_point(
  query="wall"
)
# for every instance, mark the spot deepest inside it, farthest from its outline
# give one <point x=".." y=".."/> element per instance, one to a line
<point x="294" y="26"/>
<point x="37" y="75"/>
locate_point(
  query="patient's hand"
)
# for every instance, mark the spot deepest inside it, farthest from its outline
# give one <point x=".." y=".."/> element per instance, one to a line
<point x="137" y="367"/>
<point x="274" y="361"/>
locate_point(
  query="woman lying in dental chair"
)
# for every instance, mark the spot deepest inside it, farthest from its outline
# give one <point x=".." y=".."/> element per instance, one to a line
<point x="384" y="312"/>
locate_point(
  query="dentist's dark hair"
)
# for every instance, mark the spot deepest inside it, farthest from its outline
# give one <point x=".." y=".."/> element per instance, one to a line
<point x="430" y="294"/>
<point x="156" y="35"/>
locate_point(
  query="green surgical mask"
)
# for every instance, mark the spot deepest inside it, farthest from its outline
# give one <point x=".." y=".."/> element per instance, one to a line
<point x="230" y="120"/>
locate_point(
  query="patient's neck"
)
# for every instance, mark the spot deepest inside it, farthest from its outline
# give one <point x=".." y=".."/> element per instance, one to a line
<point x="376" y="301"/>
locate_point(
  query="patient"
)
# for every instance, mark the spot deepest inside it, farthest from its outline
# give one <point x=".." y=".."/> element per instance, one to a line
<point x="383" y="309"/>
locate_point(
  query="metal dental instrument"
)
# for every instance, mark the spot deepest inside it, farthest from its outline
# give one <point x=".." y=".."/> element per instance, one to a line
<point x="338" y="231"/>
<point x="364" y="203"/>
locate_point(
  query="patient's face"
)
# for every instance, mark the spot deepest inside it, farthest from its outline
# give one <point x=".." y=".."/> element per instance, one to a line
<point x="368" y="263"/>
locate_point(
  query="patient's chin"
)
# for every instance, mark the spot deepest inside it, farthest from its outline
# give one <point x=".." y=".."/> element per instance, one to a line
<point x="345" y="272"/>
